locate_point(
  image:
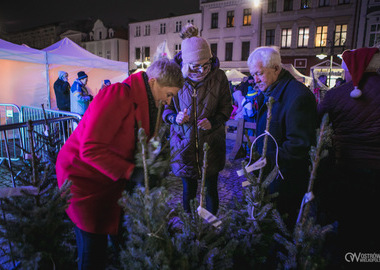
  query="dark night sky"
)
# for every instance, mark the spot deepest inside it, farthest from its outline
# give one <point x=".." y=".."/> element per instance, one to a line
<point x="17" y="15"/>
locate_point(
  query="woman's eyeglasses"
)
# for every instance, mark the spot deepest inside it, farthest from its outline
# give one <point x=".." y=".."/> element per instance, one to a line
<point x="198" y="67"/>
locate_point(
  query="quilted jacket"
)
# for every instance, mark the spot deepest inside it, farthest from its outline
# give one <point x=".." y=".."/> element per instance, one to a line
<point x="212" y="101"/>
<point x="356" y="122"/>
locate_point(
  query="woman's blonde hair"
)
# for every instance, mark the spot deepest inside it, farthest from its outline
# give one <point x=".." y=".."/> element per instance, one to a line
<point x="166" y="72"/>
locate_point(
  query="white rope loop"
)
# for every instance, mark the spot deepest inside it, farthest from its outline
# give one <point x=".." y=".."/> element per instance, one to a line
<point x="260" y="163"/>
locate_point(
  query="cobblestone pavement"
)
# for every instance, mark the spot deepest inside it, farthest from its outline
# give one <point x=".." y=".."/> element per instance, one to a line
<point x="229" y="184"/>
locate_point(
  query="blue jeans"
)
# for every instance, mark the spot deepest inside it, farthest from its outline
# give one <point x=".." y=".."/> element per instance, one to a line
<point x="190" y="186"/>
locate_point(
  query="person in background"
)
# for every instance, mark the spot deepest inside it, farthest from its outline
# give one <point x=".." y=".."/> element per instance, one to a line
<point x="349" y="190"/>
<point x="321" y="88"/>
<point x="245" y="85"/>
<point x="198" y="115"/>
<point x="99" y="156"/>
<point x="339" y="82"/>
<point x="62" y="91"/>
<point x="105" y="84"/>
<point x="293" y="125"/>
<point x="80" y="98"/>
<point x="238" y="98"/>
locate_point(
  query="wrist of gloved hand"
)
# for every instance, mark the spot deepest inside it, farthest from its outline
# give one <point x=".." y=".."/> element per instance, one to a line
<point x="137" y="176"/>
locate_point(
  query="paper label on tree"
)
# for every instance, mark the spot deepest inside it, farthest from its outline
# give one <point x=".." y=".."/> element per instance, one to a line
<point x="245" y="183"/>
<point x="210" y="218"/>
<point x="255" y="166"/>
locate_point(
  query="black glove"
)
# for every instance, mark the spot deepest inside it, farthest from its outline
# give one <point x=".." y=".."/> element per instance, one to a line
<point x="137" y="180"/>
<point x="137" y="176"/>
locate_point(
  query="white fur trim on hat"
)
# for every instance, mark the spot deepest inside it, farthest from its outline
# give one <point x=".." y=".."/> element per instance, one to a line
<point x="195" y="49"/>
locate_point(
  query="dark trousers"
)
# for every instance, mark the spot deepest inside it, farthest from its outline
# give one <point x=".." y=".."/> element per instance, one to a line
<point x="190" y="186"/>
<point x="350" y="195"/>
<point x="92" y="249"/>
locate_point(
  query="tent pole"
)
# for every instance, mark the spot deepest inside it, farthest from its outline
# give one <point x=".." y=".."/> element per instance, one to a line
<point x="48" y="105"/>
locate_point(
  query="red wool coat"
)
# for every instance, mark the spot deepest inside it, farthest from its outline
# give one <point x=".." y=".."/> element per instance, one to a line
<point x="100" y="153"/>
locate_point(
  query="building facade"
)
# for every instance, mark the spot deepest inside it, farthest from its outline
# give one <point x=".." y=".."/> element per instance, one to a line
<point x="38" y="37"/>
<point x="146" y="36"/>
<point x="233" y="30"/>
<point x="107" y="42"/>
<point x="301" y="29"/>
<point x="94" y="36"/>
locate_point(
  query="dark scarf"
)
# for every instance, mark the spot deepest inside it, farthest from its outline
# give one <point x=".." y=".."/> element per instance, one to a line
<point x="152" y="106"/>
<point x="270" y="89"/>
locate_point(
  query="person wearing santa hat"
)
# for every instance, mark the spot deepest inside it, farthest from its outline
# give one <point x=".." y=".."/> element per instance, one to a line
<point x="350" y="183"/>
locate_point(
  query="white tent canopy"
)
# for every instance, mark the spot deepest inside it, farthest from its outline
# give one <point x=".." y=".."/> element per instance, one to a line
<point x="23" y="73"/>
<point x="67" y="56"/>
<point x="28" y="75"/>
<point x="298" y="75"/>
<point x="67" y="52"/>
<point x="234" y="75"/>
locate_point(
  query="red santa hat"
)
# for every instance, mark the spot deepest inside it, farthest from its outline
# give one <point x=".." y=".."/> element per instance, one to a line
<point x="357" y="62"/>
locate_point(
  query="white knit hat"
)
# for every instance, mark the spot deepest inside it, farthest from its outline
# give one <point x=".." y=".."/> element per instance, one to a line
<point x="195" y="49"/>
<point x="62" y="74"/>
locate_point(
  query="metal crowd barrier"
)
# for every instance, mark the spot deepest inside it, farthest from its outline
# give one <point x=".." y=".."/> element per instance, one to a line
<point x="11" y="139"/>
<point x="64" y="128"/>
<point x="10" y="114"/>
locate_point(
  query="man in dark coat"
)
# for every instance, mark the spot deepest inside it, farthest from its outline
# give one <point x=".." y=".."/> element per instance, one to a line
<point x="62" y="91"/>
<point x="293" y="124"/>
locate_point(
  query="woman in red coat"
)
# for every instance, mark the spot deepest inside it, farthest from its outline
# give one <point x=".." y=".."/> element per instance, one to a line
<point x="99" y="156"/>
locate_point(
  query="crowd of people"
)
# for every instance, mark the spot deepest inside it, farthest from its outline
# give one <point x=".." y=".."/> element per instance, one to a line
<point x="99" y="155"/>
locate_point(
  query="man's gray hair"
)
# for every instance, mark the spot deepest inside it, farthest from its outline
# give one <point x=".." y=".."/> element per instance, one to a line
<point x="166" y="72"/>
<point x="269" y="56"/>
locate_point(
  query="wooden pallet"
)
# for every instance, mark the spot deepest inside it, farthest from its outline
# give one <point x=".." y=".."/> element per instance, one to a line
<point x="238" y="136"/>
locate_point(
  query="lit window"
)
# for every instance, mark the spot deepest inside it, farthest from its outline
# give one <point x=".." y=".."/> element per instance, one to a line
<point x="340" y="35"/>
<point x="321" y="36"/>
<point x="374" y="35"/>
<point x="230" y="18"/>
<point x="286" y="38"/>
<point x="305" y="4"/>
<point x="247" y="16"/>
<point x="303" y="37"/>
